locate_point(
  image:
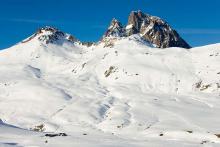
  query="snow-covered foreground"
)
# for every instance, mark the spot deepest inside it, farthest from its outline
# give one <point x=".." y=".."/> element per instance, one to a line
<point x="126" y="95"/>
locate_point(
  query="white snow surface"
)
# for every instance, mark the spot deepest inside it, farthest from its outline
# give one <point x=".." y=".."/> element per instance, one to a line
<point x="127" y="95"/>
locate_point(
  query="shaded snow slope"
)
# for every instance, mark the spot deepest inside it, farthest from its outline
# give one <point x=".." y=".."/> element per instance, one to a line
<point x="129" y="94"/>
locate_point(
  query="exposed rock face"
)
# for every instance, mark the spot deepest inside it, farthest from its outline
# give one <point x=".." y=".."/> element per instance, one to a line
<point x="115" y="29"/>
<point x="154" y="30"/>
<point x="151" y="29"/>
<point x="51" y="35"/>
<point x="135" y="20"/>
<point x="88" y="44"/>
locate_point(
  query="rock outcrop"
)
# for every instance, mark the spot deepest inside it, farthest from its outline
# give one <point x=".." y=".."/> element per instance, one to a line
<point x="51" y="35"/>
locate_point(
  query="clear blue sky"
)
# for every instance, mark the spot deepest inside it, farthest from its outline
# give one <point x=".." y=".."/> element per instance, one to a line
<point x="198" y="21"/>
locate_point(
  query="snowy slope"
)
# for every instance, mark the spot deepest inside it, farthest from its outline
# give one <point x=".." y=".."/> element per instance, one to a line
<point x="129" y="94"/>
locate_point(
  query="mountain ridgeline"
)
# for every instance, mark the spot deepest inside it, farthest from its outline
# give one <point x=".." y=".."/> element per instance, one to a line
<point x="150" y="29"/>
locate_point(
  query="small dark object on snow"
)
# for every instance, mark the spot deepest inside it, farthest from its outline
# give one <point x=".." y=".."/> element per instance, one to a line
<point x="218" y="135"/>
<point x="55" y="135"/>
<point x="203" y="142"/>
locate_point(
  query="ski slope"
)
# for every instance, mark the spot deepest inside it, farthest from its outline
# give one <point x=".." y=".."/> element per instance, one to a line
<point x="128" y="94"/>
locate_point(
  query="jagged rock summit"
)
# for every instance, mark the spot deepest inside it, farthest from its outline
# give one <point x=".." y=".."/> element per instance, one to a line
<point x="154" y="30"/>
<point x="51" y="35"/>
<point x="151" y="28"/>
<point x="115" y="29"/>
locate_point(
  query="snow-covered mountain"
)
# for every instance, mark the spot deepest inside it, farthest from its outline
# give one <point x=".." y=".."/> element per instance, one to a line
<point x="56" y="91"/>
<point x="51" y="35"/>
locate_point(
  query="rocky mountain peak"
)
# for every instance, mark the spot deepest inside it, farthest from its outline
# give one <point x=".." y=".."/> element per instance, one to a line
<point x="115" y="29"/>
<point x="51" y="35"/>
<point x="154" y="29"/>
<point x="151" y="28"/>
<point x="135" y="20"/>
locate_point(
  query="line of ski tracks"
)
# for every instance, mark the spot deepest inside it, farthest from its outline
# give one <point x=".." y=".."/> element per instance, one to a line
<point x="111" y="111"/>
<point x="114" y="111"/>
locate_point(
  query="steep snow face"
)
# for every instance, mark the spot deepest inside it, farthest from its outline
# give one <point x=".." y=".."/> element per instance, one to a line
<point x="129" y="94"/>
